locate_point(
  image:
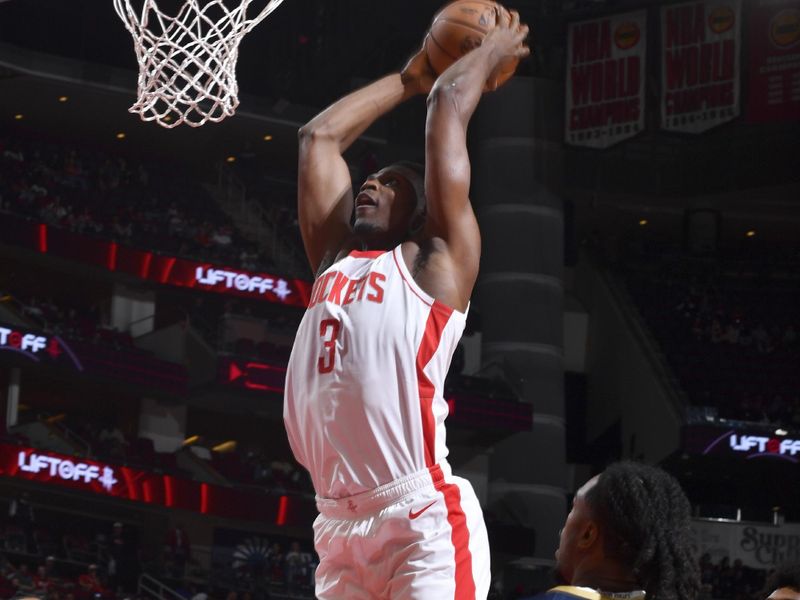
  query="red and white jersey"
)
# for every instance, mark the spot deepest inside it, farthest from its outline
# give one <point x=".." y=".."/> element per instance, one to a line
<point x="364" y="401"/>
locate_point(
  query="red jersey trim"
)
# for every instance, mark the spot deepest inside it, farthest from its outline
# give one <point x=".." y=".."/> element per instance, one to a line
<point x="414" y="286"/>
<point x="366" y="253"/>
<point x="438" y="318"/>
<point x="409" y="281"/>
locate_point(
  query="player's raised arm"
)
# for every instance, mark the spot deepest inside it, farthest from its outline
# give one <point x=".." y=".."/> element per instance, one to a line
<point x="325" y="200"/>
<point x="451" y="104"/>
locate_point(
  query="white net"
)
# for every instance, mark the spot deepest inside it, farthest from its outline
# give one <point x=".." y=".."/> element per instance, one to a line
<point x="187" y="62"/>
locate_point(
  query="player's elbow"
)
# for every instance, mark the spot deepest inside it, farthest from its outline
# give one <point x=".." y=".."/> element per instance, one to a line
<point x="442" y="95"/>
<point x="444" y="100"/>
<point x="313" y="132"/>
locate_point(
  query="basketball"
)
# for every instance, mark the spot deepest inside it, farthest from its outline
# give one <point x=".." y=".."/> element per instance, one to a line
<point x="458" y="28"/>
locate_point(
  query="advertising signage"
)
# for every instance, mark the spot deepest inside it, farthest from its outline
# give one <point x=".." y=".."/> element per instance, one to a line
<point x="741" y="443"/>
<point x="252" y="375"/>
<point x="137" y="485"/>
<point x="32" y="346"/>
<point x="153" y="267"/>
<point x="757" y="545"/>
<point x="37" y="347"/>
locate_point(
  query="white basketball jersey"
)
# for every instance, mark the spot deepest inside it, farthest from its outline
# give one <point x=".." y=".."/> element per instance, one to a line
<point x="364" y="401"/>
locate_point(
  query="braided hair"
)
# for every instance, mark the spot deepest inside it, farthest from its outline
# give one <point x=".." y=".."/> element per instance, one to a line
<point x="645" y="520"/>
<point x="785" y="576"/>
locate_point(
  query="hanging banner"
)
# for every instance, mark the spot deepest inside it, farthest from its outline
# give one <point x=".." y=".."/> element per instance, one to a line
<point x="774" y="61"/>
<point x="605" y="79"/>
<point x="700" y="46"/>
<point x="758" y="546"/>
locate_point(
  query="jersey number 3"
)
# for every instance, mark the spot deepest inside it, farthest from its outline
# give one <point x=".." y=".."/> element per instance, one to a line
<point x="329" y="332"/>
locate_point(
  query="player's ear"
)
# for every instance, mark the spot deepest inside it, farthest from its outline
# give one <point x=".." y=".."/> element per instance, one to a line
<point x="589" y="536"/>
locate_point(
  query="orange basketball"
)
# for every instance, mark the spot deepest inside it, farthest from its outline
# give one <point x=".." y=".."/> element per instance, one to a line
<point x="458" y="28"/>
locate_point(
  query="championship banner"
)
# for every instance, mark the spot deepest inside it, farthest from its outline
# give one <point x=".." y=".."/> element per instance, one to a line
<point x="774" y="60"/>
<point x="700" y="46"/>
<point x="605" y="79"/>
<point x="757" y="546"/>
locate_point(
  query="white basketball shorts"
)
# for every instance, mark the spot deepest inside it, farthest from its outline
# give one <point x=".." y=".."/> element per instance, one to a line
<point x="421" y="537"/>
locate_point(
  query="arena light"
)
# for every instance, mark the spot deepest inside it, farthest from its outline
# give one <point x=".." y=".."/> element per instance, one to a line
<point x="19" y="117"/>
<point x="230" y="159"/>
<point x="643" y="222"/>
<point x="751" y="233"/>
<point x="229" y="446"/>
<point x="63" y="99"/>
<point x="193" y="439"/>
<point x="121" y="135"/>
<point x="267" y="138"/>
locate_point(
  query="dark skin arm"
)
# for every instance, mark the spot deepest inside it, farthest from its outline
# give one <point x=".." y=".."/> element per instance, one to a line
<point x="325" y="199"/>
<point x="451" y="240"/>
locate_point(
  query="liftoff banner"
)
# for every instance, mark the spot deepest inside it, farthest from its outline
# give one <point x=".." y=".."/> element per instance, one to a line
<point x="774" y="49"/>
<point x="700" y="47"/>
<point x="605" y="79"/>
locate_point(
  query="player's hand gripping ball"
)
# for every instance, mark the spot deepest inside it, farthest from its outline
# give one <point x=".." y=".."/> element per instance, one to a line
<point x="462" y="26"/>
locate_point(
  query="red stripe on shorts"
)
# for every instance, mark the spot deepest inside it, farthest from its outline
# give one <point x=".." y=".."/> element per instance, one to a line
<point x="437" y="320"/>
<point x="434" y="327"/>
<point x="465" y="581"/>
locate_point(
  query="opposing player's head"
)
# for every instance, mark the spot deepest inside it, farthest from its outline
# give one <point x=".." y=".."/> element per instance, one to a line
<point x="630" y="524"/>
<point x="390" y="205"/>
<point x="784" y="583"/>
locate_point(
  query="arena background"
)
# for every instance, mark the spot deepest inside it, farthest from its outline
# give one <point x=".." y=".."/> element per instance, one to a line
<point x="638" y="294"/>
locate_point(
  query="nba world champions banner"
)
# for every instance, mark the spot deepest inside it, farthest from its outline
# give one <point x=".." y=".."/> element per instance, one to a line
<point x="700" y="47"/>
<point x="605" y="79"/>
<point x="774" y="52"/>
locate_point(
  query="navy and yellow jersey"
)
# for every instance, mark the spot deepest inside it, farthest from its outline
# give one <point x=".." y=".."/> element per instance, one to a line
<point x="571" y="592"/>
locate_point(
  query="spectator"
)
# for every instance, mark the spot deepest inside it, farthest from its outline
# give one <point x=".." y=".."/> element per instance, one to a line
<point x="42" y="583"/>
<point x="789" y="338"/>
<point x="122" y="562"/>
<point x="179" y="548"/>
<point x="21" y="514"/>
<point x="762" y="339"/>
<point x="297" y="564"/>
<point x="90" y="582"/>
<point x="23" y="580"/>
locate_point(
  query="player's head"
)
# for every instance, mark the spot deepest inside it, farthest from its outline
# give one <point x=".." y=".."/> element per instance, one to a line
<point x="784" y="583"/>
<point x="390" y="205"/>
<point x="631" y="521"/>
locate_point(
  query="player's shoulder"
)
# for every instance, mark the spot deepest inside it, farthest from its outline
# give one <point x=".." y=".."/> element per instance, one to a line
<point x="565" y="592"/>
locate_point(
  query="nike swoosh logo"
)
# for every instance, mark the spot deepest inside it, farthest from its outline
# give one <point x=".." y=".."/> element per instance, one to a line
<point x="413" y="515"/>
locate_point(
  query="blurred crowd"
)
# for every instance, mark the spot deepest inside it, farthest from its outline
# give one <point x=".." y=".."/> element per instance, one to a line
<point x="141" y="204"/>
<point x="730" y="335"/>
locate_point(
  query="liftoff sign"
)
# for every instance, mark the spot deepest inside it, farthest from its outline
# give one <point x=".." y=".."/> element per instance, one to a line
<point x="700" y="47"/>
<point x="605" y="79"/>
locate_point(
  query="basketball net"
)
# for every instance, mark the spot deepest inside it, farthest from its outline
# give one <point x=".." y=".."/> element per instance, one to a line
<point x="187" y="63"/>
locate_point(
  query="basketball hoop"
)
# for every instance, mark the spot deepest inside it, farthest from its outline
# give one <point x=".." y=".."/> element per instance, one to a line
<point x="187" y="62"/>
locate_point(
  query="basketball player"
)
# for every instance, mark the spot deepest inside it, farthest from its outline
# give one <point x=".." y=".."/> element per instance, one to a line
<point x="784" y="583"/>
<point x="627" y="538"/>
<point x="364" y="410"/>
